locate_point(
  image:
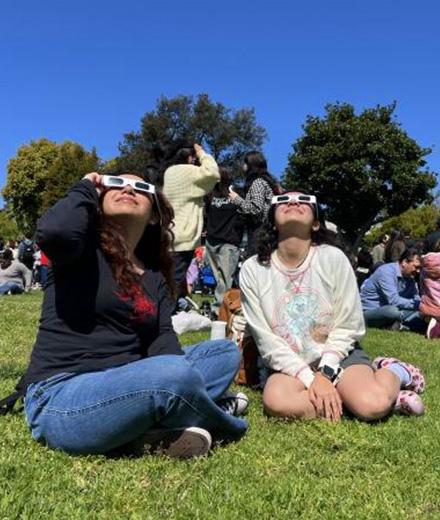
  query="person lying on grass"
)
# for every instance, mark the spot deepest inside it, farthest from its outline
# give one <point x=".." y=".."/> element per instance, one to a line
<point x="301" y="301"/>
<point x="107" y="368"/>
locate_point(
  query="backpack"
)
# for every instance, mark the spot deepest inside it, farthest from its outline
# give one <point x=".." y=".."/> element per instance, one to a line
<point x="232" y="313"/>
<point x="27" y="255"/>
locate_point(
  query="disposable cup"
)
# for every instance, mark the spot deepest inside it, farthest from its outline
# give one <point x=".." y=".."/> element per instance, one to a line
<point x="218" y="330"/>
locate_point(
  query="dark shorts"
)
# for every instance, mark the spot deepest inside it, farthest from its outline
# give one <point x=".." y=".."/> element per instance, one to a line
<point x="357" y="356"/>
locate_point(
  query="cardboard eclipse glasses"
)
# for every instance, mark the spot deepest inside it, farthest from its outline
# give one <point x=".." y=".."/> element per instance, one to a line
<point x="111" y="181"/>
<point x="297" y="197"/>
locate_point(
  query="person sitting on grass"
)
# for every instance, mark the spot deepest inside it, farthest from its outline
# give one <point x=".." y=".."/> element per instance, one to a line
<point x="430" y="289"/>
<point x="302" y="306"/>
<point x="15" y="277"/>
<point x="107" y="368"/>
<point x="390" y="296"/>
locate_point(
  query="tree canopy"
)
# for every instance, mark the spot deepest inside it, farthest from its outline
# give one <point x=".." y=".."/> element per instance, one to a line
<point x="417" y="222"/>
<point x="40" y="174"/>
<point x="227" y="134"/>
<point x="364" y="168"/>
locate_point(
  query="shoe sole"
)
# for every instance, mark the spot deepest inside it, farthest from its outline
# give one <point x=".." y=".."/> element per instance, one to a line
<point x="194" y="442"/>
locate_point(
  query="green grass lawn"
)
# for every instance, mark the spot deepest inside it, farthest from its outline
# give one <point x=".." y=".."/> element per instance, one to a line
<point x="279" y="470"/>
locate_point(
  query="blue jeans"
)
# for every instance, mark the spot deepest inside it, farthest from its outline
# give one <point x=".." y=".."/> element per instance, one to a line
<point x="14" y="287"/>
<point x="95" y="412"/>
<point x="388" y="314"/>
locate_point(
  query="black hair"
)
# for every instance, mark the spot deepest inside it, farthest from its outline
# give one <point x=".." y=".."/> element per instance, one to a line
<point x="180" y="151"/>
<point x="267" y="239"/>
<point x="409" y="254"/>
<point x="7" y="255"/>
<point x="221" y="189"/>
<point x="257" y="169"/>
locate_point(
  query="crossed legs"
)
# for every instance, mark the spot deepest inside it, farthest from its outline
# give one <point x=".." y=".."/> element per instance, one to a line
<point x="366" y="394"/>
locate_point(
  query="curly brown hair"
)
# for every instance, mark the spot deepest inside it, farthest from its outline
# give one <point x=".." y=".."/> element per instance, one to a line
<point x="153" y="248"/>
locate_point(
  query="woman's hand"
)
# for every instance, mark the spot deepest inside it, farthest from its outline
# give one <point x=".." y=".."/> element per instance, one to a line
<point x="325" y="398"/>
<point x="96" y="179"/>
<point x="232" y="194"/>
<point x="199" y="150"/>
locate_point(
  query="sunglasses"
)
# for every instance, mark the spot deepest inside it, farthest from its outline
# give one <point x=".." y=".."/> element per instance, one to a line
<point x="297" y="197"/>
<point x="111" y="181"/>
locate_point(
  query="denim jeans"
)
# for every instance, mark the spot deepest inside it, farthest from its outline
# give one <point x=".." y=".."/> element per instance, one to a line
<point x="14" y="287"/>
<point x="223" y="259"/>
<point x="388" y="314"/>
<point x="95" y="412"/>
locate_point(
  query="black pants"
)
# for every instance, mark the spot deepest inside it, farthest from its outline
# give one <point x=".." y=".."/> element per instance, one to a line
<point x="182" y="259"/>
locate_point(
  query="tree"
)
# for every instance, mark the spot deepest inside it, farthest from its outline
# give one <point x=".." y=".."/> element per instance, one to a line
<point x="364" y="168"/>
<point x="418" y="222"/>
<point x="72" y="163"/>
<point x="39" y="174"/>
<point x="8" y="226"/>
<point x="225" y="133"/>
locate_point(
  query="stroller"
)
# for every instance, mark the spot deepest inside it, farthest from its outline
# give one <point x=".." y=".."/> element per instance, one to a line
<point x="207" y="280"/>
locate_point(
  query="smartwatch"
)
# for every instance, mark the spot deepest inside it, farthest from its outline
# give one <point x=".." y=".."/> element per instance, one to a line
<point x="331" y="373"/>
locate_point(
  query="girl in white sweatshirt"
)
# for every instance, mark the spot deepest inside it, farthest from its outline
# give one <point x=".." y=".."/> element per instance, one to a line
<point x="302" y="305"/>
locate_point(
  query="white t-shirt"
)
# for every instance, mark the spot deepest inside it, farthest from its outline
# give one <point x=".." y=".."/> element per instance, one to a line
<point x="298" y="316"/>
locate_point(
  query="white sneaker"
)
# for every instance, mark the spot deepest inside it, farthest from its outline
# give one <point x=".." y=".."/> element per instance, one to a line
<point x="234" y="404"/>
<point x="185" y="444"/>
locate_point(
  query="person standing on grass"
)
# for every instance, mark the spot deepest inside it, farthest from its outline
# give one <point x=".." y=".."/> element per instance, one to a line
<point x="302" y="305"/>
<point x="185" y="186"/>
<point x="390" y="296"/>
<point x="260" y="186"/>
<point x="15" y="277"/>
<point x="378" y="251"/>
<point x="107" y="369"/>
<point x="223" y="237"/>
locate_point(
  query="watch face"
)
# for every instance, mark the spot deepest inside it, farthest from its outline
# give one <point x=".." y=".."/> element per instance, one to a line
<point x="328" y="372"/>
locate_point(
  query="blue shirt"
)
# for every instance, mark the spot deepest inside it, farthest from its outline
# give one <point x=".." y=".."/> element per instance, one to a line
<point x="387" y="286"/>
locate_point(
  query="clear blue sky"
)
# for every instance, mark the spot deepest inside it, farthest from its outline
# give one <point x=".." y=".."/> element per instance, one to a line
<point x="88" y="70"/>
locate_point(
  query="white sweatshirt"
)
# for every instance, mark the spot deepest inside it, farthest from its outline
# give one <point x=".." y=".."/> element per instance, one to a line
<point x="185" y="186"/>
<point x="298" y="316"/>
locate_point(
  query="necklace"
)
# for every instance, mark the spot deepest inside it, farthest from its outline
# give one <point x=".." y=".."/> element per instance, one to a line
<point x="299" y="264"/>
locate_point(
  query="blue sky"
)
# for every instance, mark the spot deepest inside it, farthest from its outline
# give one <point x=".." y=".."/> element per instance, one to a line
<point x="88" y="70"/>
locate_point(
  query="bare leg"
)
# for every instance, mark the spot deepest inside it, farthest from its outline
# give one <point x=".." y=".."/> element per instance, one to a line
<point x="367" y="394"/>
<point x="285" y="396"/>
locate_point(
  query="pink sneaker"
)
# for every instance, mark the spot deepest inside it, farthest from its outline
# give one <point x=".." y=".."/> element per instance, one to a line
<point x="417" y="383"/>
<point x="409" y="403"/>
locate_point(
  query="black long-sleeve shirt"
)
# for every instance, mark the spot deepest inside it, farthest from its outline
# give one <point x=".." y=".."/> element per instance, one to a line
<point x="86" y="324"/>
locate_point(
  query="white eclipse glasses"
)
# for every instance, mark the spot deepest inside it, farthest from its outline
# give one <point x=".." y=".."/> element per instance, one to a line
<point x="111" y="181"/>
<point x="294" y="197"/>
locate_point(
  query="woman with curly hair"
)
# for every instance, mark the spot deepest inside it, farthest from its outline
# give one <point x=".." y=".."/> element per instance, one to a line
<point x="107" y="370"/>
<point x="302" y="305"/>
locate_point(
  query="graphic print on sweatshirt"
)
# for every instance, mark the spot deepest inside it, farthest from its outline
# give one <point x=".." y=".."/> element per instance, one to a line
<point x="303" y="318"/>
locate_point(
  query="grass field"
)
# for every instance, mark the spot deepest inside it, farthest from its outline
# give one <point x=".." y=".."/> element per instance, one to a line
<point x="280" y="470"/>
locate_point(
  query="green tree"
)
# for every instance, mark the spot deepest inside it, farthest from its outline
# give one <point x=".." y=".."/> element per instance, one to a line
<point x="225" y="133"/>
<point x="26" y="181"/>
<point x="364" y="168"/>
<point x="39" y="174"/>
<point x="8" y="226"/>
<point x="418" y="222"/>
<point x="72" y="163"/>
